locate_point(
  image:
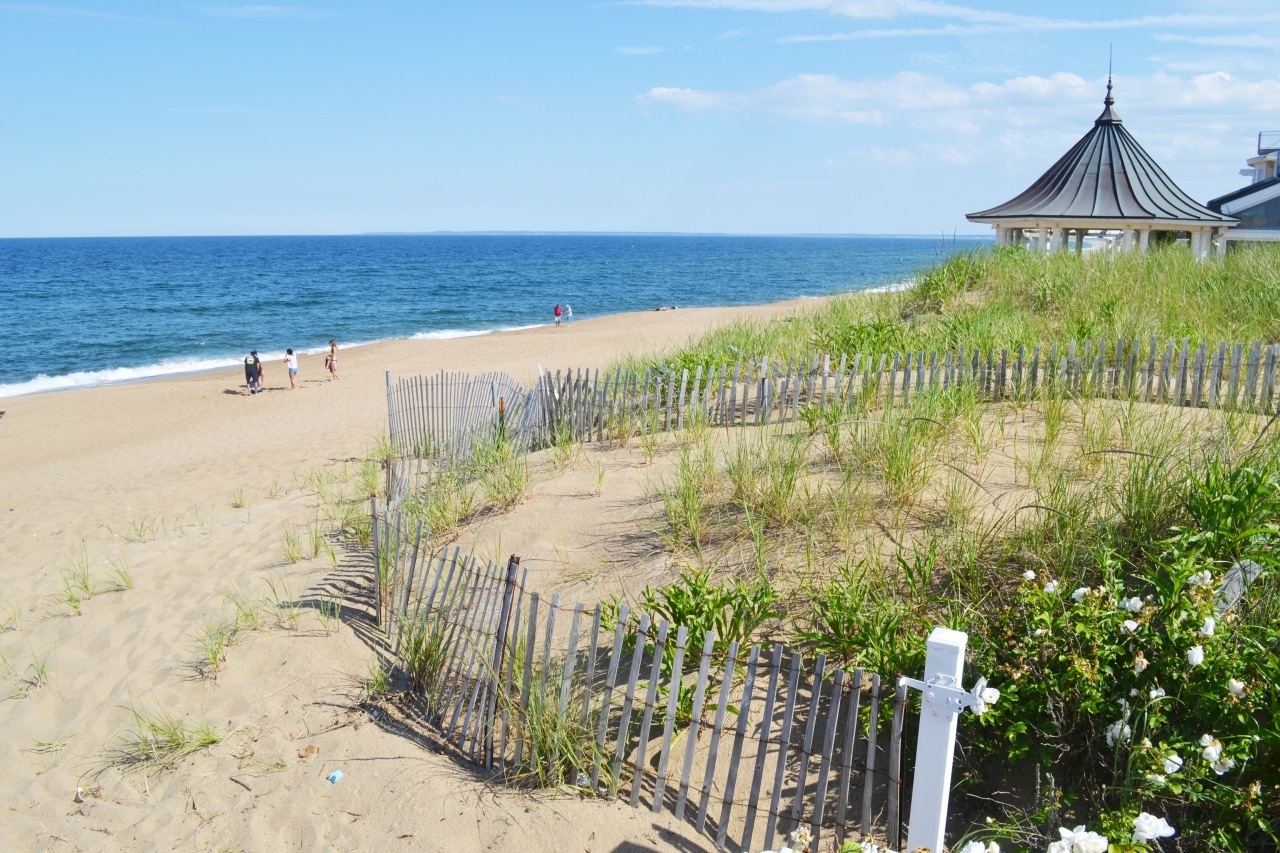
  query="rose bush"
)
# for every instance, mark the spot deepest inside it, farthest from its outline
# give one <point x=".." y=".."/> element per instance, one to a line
<point x="1151" y="688"/>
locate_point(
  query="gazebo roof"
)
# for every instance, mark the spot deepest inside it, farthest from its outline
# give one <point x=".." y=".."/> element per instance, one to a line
<point x="1105" y="176"/>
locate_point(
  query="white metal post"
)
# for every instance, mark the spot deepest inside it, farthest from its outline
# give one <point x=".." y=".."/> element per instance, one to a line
<point x="943" y="667"/>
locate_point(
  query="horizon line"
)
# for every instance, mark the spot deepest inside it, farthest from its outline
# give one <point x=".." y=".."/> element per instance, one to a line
<point x="516" y="233"/>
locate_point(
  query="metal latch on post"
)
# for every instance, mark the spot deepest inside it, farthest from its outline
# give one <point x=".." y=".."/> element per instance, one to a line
<point x="944" y="697"/>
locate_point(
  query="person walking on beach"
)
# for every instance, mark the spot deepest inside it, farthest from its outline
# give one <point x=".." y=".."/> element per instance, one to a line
<point x="557" y="311"/>
<point x="253" y="372"/>
<point x="331" y="362"/>
<point x="568" y="314"/>
<point x="291" y="361"/>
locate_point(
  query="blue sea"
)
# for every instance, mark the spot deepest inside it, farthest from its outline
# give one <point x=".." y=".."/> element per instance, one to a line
<point x="81" y="312"/>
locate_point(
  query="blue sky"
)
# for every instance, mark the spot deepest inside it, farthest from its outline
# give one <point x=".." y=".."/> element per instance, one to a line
<point x="745" y="116"/>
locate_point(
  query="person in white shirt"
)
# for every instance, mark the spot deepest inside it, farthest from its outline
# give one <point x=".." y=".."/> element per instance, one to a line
<point x="291" y="361"/>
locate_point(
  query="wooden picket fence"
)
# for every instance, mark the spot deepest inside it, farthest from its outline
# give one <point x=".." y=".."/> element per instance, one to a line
<point x="431" y="415"/>
<point x="768" y="741"/>
<point x="446" y="415"/>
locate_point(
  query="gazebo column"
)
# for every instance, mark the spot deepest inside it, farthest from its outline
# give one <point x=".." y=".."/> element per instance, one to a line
<point x="1219" y="242"/>
<point x="1126" y="242"/>
<point x="1059" y="241"/>
<point x="1042" y="239"/>
<point x="1144" y="239"/>
<point x="1200" y="244"/>
<point x="1080" y="232"/>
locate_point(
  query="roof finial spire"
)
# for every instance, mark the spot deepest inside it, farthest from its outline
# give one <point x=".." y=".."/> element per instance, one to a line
<point x="1108" y="115"/>
<point x="1109" y="100"/>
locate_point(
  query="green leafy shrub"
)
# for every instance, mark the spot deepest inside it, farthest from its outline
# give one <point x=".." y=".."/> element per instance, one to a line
<point x="1139" y="687"/>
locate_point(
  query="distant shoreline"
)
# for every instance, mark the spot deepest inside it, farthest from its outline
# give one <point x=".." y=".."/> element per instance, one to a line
<point x="149" y="373"/>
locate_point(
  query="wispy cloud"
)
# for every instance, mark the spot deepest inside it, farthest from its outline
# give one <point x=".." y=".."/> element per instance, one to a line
<point x="968" y="20"/>
<point x="642" y="51"/>
<point x="1029" y="23"/>
<point x="1245" y="40"/>
<point x="1008" y="109"/>
<point x="296" y="12"/>
<point x="819" y="98"/>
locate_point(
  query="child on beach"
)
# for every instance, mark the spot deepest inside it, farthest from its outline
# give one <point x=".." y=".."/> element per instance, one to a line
<point x="291" y="361"/>
<point x="331" y="361"/>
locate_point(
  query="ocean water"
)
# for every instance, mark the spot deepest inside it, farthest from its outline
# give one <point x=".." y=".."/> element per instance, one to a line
<point x="80" y="312"/>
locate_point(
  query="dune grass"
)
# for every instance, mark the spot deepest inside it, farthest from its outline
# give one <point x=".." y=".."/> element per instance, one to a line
<point x="160" y="740"/>
<point x="1011" y="297"/>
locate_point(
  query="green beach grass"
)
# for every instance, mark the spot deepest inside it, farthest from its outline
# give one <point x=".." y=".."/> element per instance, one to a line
<point x="1008" y="298"/>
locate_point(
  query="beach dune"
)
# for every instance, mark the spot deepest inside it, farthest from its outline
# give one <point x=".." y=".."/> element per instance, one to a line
<point x="185" y="486"/>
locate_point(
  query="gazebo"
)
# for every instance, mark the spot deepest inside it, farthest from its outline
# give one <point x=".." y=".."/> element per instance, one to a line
<point x="1105" y="183"/>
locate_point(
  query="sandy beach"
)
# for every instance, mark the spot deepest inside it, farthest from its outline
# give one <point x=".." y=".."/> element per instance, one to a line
<point x="143" y="480"/>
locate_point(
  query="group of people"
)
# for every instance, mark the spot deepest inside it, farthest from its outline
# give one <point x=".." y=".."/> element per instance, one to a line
<point x="563" y="312"/>
<point x="255" y="370"/>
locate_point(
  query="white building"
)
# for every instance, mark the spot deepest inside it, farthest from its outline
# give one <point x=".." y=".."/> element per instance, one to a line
<point x="1257" y="206"/>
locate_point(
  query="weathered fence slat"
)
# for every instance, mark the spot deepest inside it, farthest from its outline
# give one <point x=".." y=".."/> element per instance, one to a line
<point x="850" y="742"/>
<point x="762" y="752"/>
<point x="806" y="749"/>
<point x="824" y="762"/>
<point x="695" y="724"/>
<point x="784" y="746"/>
<point x="650" y="699"/>
<point x="740" y="733"/>
<point x="868" y="782"/>
<point x="628" y="701"/>
<point x="709" y="776"/>
<point x="673" y="703"/>
<point x="614" y="654"/>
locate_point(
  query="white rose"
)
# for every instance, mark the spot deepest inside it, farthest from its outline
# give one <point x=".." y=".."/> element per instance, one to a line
<point x="1234" y="687"/>
<point x="1051" y="587"/>
<point x="1208" y="627"/>
<point x="1148" y="827"/>
<point x="1195" y="655"/>
<point x="1080" y="593"/>
<point x="1173" y="763"/>
<point x="1029" y="575"/>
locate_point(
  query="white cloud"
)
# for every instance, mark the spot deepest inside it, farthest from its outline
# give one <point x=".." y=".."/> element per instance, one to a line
<point x="1197" y="125"/>
<point x="641" y="51"/>
<point x="820" y="98"/>
<point x="1245" y="40"/>
<point x="914" y="96"/>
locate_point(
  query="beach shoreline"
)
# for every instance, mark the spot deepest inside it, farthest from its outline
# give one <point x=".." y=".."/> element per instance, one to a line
<point x="156" y="371"/>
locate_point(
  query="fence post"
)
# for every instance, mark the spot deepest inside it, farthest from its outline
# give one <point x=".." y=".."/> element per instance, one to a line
<point x="499" y="655"/>
<point x="944" y="665"/>
<point x="377" y="561"/>
<point x="391" y="412"/>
